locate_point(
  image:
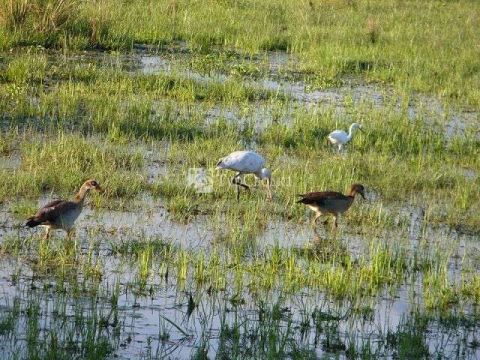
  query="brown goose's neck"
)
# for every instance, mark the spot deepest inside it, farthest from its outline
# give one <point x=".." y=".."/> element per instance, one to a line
<point x="351" y="197"/>
<point x="352" y="194"/>
<point x="80" y="196"/>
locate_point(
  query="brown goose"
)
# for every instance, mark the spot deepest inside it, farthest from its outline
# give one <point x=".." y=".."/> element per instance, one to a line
<point x="61" y="214"/>
<point x="331" y="202"/>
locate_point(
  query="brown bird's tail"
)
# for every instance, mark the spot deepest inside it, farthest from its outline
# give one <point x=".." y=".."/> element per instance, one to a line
<point x="31" y="222"/>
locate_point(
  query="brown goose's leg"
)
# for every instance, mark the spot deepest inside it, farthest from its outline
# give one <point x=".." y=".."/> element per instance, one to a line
<point x="70" y="235"/>
<point x="335" y="224"/>
<point x="317" y="216"/>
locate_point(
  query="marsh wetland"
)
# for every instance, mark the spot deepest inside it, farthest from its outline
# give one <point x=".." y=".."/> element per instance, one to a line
<point x="162" y="268"/>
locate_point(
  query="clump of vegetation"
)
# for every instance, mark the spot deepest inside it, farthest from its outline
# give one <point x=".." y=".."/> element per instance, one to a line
<point x="372" y="30"/>
<point x="63" y="163"/>
<point x="42" y="20"/>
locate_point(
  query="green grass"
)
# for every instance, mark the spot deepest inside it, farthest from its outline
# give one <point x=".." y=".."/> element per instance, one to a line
<point x="405" y="44"/>
<point x="65" y="162"/>
<point x="67" y="116"/>
<point x="400" y="159"/>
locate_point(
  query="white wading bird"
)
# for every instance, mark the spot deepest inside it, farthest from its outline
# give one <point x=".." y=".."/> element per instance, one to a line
<point x="246" y="162"/>
<point x="340" y="137"/>
<point x="61" y="214"/>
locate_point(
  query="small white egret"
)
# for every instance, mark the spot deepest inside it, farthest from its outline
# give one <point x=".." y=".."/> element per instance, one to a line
<point x="340" y="137"/>
<point x="246" y="162"/>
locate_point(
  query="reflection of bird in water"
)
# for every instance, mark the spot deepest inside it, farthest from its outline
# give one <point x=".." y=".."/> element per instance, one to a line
<point x="61" y="214"/>
<point x="246" y="162"/>
<point x="326" y="248"/>
<point x="322" y="246"/>
<point x="417" y="217"/>
<point x="331" y="202"/>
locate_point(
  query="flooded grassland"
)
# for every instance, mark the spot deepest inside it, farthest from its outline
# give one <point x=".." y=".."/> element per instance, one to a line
<point x="160" y="267"/>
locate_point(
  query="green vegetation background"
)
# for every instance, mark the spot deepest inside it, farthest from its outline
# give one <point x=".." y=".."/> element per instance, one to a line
<point x="428" y="46"/>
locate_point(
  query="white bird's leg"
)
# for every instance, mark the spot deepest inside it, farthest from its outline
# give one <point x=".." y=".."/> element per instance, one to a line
<point x="237" y="181"/>
<point x="238" y="192"/>
<point x="245" y="186"/>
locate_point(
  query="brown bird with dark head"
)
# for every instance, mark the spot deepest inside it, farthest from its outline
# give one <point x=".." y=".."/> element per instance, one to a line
<point x="331" y="202"/>
<point x="61" y="214"/>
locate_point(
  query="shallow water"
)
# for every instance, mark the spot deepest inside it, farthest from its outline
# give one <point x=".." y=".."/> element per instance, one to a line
<point x="352" y="92"/>
<point x="146" y="330"/>
<point x="429" y="109"/>
<point x="153" y="322"/>
<point x="142" y="330"/>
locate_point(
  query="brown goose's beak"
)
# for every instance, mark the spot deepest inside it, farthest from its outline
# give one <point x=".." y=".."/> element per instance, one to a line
<point x="363" y="195"/>
<point x="99" y="188"/>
